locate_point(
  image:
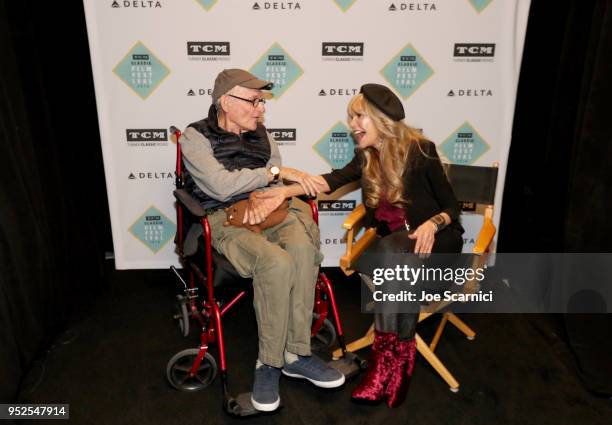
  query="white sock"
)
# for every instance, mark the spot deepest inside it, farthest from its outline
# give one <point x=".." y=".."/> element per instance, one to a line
<point x="290" y="357"/>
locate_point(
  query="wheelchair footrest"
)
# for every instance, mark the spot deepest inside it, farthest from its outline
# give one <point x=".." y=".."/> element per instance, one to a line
<point x="240" y="405"/>
<point x="349" y="365"/>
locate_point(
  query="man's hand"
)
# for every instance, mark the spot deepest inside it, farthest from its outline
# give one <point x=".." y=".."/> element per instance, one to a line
<point x="425" y="237"/>
<point x="261" y="204"/>
<point x="310" y="184"/>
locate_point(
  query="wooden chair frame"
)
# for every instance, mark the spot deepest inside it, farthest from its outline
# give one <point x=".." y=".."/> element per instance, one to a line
<point x="354" y="248"/>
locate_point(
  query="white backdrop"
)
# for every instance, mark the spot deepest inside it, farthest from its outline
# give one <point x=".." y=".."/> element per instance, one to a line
<point x="455" y="64"/>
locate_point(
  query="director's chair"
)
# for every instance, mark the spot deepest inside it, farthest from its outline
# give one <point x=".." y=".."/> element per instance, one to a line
<point x="474" y="187"/>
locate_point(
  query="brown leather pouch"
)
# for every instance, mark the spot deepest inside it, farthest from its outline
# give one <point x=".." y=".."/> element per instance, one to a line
<point x="235" y="214"/>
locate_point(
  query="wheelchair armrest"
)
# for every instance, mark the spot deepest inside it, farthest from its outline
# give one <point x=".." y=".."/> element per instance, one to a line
<point x="354" y="217"/>
<point x="190" y="203"/>
<point x="485" y="236"/>
<point x="306" y="198"/>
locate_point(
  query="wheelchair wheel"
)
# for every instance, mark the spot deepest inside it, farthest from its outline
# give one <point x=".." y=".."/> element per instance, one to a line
<point x="181" y="314"/>
<point x="325" y="338"/>
<point x="179" y="366"/>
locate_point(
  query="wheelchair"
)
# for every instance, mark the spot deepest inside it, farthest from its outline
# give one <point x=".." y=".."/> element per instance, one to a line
<point x="197" y="306"/>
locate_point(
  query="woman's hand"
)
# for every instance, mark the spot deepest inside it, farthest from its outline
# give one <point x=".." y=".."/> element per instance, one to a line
<point x="310" y="184"/>
<point x="425" y="236"/>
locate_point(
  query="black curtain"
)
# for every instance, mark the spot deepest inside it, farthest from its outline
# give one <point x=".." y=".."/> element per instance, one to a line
<point x="558" y="190"/>
<point x="54" y="226"/>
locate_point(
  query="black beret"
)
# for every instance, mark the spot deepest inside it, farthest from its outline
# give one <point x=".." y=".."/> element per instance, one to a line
<point x="384" y="99"/>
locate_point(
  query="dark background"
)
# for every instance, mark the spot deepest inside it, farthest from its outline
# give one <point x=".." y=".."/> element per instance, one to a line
<point x="54" y="223"/>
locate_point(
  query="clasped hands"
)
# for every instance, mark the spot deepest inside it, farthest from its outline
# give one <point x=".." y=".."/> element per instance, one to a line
<point x="261" y="204"/>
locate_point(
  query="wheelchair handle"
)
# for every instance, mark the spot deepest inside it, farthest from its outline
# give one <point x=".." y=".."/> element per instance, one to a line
<point x="178" y="275"/>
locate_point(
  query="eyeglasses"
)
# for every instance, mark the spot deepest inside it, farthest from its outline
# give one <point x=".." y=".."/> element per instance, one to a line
<point x="255" y="102"/>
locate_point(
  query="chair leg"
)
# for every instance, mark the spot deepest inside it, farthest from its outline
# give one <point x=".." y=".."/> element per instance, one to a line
<point x="438" y="334"/>
<point x="460" y="324"/>
<point x="358" y="344"/>
<point x="435" y="362"/>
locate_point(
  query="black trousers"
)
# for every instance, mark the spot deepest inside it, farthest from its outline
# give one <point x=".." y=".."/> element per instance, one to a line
<point x="383" y="253"/>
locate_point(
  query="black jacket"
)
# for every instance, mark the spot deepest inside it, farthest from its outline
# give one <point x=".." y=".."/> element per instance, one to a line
<point x="426" y="187"/>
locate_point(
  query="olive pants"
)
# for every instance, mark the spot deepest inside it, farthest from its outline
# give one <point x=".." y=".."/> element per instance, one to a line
<point x="283" y="262"/>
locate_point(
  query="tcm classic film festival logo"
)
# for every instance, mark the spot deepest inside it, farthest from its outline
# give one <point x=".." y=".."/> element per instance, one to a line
<point x="336" y="146"/>
<point x="141" y="70"/>
<point x="206" y="4"/>
<point x="153" y="229"/>
<point x="407" y="71"/>
<point x="344" y="5"/>
<point x="279" y="68"/>
<point x="480" y="5"/>
<point x="464" y="146"/>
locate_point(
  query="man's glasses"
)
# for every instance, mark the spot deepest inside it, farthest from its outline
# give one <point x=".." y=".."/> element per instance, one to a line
<point x="255" y="102"/>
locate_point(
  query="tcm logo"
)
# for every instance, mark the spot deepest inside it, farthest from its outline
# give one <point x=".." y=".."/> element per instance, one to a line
<point x="342" y="49"/>
<point x="156" y="135"/>
<point x="208" y="48"/>
<point x="276" y="58"/>
<point x="283" y="134"/>
<point x="337" y="205"/>
<point x="474" y="50"/>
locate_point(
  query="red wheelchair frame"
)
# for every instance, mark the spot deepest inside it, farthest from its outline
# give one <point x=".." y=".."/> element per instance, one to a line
<point x="195" y="368"/>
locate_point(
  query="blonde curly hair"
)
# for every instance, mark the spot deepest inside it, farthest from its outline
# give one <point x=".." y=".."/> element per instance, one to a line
<point x="400" y="145"/>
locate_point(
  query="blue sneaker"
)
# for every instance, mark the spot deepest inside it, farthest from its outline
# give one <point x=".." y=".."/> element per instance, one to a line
<point x="265" y="388"/>
<point x="314" y="370"/>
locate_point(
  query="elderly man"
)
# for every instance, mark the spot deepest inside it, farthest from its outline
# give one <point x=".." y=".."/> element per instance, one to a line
<point x="228" y="155"/>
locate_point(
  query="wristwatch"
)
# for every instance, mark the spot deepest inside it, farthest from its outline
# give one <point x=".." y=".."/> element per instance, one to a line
<point x="275" y="171"/>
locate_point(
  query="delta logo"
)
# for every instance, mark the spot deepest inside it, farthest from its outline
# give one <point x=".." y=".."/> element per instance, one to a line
<point x="276" y="5"/>
<point x="140" y="4"/>
<point x="413" y="7"/>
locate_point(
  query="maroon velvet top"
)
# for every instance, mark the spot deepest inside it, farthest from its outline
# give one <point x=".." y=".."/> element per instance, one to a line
<point x="392" y="215"/>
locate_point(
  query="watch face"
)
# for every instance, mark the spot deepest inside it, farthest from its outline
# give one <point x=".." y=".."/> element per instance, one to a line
<point x="275" y="170"/>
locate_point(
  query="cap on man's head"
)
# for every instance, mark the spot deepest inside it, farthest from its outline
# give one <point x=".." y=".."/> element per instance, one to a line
<point x="384" y="99"/>
<point x="229" y="78"/>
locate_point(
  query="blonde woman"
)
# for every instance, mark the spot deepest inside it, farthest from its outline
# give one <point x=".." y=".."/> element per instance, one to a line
<point x="412" y="205"/>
